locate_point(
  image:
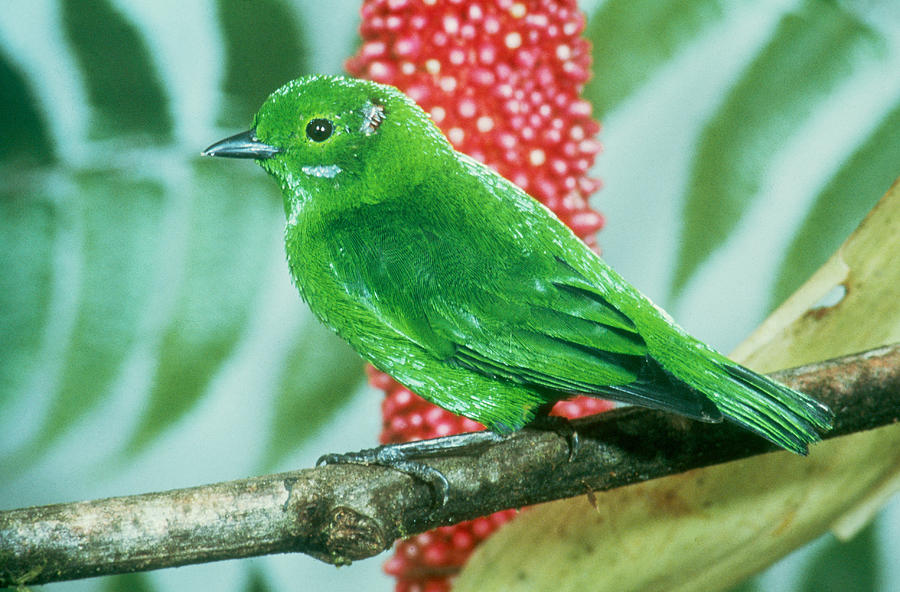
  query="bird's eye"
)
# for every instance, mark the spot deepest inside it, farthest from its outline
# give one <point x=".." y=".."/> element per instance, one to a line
<point x="319" y="130"/>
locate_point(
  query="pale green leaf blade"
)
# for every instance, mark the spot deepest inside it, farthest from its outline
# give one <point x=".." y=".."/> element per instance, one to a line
<point x="28" y="226"/>
<point x="845" y="565"/>
<point x="25" y="135"/>
<point x="321" y="373"/>
<point x="133" y="582"/>
<point x="749" y="585"/>
<point x="257" y="581"/>
<point x="251" y="71"/>
<point x="117" y="221"/>
<point x="812" y="51"/>
<point x="841" y="205"/>
<point x="122" y="84"/>
<point x="228" y="234"/>
<point x="631" y="39"/>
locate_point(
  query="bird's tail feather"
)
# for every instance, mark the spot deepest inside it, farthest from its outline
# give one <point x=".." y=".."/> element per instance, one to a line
<point x="778" y="413"/>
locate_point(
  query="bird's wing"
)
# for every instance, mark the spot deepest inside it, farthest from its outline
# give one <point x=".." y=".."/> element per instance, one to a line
<point x="533" y="324"/>
<point x="559" y="332"/>
<point x="499" y="305"/>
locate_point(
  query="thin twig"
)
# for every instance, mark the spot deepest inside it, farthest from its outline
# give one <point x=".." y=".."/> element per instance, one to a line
<point x="348" y="512"/>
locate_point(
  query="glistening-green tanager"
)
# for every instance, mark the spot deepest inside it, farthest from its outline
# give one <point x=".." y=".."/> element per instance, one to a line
<point x="467" y="290"/>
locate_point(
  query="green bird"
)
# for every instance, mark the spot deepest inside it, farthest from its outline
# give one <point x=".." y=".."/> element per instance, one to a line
<point x="464" y="288"/>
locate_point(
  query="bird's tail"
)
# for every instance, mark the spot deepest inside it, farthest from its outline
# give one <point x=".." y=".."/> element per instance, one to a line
<point x="780" y="414"/>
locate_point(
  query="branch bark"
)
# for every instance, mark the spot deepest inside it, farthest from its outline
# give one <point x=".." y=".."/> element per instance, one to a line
<point x="342" y="513"/>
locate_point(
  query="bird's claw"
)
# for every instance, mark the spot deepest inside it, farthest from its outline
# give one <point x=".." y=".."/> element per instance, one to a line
<point x="400" y="457"/>
<point x="573" y="442"/>
<point x="327" y="459"/>
<point x="362" y="457"/>
<point x="563" y="428"/>
<point x="393" y="457"/>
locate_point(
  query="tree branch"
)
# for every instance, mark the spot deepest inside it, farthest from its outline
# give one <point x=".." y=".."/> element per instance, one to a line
<point x="347" y="512"/>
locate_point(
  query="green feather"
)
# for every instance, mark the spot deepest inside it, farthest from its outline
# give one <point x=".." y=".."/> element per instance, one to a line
<point x="467" y="290"/>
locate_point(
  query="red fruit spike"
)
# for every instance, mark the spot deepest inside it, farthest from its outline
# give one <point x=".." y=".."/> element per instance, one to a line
<point x="436" y="554"/>
<point x="372" y="25"/>
<point x="405" y="397"/>
<point x="436" y="586"/>
<point x="470" y="425"/>
<point x="589" y="186"/>
<point x="378" y="379"/>
<point x="502" y="79"/>
<point x="418" y="22"/>
<point x="462" y="540"/>
<point x="456" y="56"/>
<point x="504" y="516"/>
<point x="482" y="527"/>
<point x="373" y="49"/>
<point x="383" y="71"/>
<point x="408" y="46"/>
<point x="586" y="222"/>
<point x="424" y="539"/>
<point x="398" y="424"/>
<point x="395" y="565"/>
<point x="393" y="23"/>
<point x="440" y="38"/>
<point x="492" y="25"/>
<point x="410" y="549"/>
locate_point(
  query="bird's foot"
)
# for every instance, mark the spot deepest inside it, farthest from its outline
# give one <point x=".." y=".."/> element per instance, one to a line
<point x="406" y="458"/>
<point x="388" y="456"/>
<point x="562" y="427"/>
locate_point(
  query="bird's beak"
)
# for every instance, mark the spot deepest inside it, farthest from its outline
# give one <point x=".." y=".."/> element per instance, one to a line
<point x="242" y="145"/>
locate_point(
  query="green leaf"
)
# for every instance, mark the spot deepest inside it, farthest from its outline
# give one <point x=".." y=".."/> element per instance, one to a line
<point x="133" y="582"/>
<point x="813" y="50"/>
<point x="25" y="135"/>
<point x="229" y="233"/>
<point x="121" y="82"/>
<point x="28" y="222"/>
<point x="749" y="585"/>
<point x="631" y="39"/>
<point x="256" y="581"/>
<point x="321" y="373"/>
<point x="850" y="565"/>
<point x="264" y="48"/>
<point x="841" y="205"/>
<point x="116" y="222"/>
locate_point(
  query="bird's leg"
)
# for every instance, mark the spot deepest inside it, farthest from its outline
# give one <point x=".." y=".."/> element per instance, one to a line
<point x="405" y="457"/>
<point x="562" y="427"/>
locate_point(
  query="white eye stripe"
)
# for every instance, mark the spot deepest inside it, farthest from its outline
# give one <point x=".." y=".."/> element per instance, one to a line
<point x="329" y="171"/>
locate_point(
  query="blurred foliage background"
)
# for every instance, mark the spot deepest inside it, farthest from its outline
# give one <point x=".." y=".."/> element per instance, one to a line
<point x="149" y="334"/>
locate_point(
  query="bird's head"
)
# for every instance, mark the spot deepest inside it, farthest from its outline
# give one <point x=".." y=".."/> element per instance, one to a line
<point x="320" y="132"/>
